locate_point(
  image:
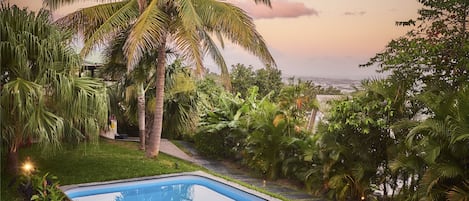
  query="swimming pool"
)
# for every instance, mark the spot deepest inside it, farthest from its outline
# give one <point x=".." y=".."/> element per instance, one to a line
<point x="194" y="186"/>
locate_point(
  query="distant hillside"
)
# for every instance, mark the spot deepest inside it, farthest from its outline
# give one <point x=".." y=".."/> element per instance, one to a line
<point x="345" y="85"/>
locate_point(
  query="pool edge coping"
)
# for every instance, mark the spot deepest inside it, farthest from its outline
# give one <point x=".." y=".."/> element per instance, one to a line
<point x="195" y="173"/>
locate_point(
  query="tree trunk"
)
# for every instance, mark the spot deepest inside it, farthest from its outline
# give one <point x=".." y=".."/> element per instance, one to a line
<point x="141" y="94"/>
<point x="141" y="114"/>
<point x="12" y="161"/>
<point x="153" y="148"/>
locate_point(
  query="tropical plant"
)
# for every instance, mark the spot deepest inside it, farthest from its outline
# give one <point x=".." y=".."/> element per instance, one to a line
<point x="40" y="87"/>
<point x="298" y="99"/>
<point x="185" y="24"/>
<point x="432" y="60"/>
<point x="440" y="143"/>
<point x="220" y="128"/>
<point x="46" y="188"/>
<point x="269" y="139"/>
<point x="356" y="148"/>
<point x="35" y="186"/>
<point x="136" y="84"/>
<point x="181" y="102"/>
<point x="209" y="89"/>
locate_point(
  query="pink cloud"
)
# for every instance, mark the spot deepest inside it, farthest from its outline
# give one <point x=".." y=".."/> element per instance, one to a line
<point x="280" y="9"/>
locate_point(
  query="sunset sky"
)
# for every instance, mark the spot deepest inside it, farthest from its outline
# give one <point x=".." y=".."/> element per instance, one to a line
<point x="320" y="38"/>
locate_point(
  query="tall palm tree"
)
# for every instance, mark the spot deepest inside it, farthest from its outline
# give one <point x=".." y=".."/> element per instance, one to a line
<point x="186" y="25"/>
<point x="42" y="99"/>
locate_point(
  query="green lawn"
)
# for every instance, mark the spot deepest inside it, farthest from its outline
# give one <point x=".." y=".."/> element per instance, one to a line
<point x="109" y="160"/>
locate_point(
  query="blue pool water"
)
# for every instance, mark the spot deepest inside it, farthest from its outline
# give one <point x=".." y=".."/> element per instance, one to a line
<point x="174" y="188"/>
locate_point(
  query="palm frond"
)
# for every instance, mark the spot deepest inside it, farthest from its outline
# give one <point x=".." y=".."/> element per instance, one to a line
<point x="98" y="23"/>
<point x="46" y="127"/>
<point x="41" y="87"/>
<point x="266" y="2"/>
<point x="459" y="193"/>
<point x="119" y="20"/>
<point x="187" y="40"/>
<point x="55" y="4"/>
<point x="147" y="33"/>
<point x="210" y="47"/>
<point x="449" y="170"/>
<point x="425" y="128"/>
<point x="88" y="20"/>
<point x="234" y="24"/>
<point x="409" y="163"/>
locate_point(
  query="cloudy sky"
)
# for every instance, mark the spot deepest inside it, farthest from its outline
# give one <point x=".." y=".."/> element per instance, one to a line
<point x="320" y="38"/>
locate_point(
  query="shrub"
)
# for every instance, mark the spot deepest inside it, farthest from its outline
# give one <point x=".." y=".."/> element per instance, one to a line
<point x="40" y="187"/>
<point x="212" y="144"/>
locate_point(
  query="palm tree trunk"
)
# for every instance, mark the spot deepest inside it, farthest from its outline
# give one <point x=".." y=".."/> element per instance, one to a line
<point x="153" y="148"/>
<point x="141" y="94"/>
<point x="141" y="114"/>
<point x="12" y="161"/>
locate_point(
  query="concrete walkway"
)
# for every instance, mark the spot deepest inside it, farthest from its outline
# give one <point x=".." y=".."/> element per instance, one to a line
<point x="219" y="167"/>
<point x="169" y="148"/>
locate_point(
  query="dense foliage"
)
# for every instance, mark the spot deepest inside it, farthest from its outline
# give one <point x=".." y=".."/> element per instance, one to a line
<point x="356" y="144"/>
<point x="181" y="106"/>
<point x="256" y="130"/>
<point x="401" y="138"/>
<point x="266" y="79"/>
<point x="39" y="84"/>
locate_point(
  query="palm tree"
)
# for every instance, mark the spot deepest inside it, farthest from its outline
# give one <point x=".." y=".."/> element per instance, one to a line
<point x="180" y="99"/>
<point x="40" y="87"/>
<point x="136" y="84"/>
<point x="186" y="25"/>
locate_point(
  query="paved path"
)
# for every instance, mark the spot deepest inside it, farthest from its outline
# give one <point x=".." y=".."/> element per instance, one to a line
<point x="219" y="167"/>
<point x="169" y="148"/>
